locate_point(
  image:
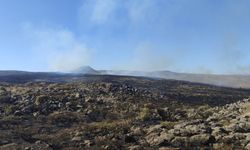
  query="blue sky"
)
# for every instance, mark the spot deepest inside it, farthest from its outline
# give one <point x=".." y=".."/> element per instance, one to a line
<point x="200" y="36"/>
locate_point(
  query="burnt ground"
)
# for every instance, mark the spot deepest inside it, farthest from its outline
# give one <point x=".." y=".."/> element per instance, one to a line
<point x="119" y="112"/>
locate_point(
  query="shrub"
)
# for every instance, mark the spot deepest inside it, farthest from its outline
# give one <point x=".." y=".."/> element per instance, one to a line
<point x="144" y="114"/>
<point x="40" y="100"/>
<point x="9" y="109"/>
<point x="225" y="122"/>
<point x="247" y="108"/>
<point x="204" y="111"/>
<point x="168" y="125"/>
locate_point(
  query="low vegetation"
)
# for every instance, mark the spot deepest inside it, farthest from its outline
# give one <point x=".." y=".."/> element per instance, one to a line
<point x="111" y="112"/>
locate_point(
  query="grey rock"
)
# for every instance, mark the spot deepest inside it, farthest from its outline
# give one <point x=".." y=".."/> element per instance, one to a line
<point x="156" y="139"/>
<point x="247" y="147"/>
<point x="76" y="139"/>
<point x="180" y="141"/>
<point x="202" y="139"/>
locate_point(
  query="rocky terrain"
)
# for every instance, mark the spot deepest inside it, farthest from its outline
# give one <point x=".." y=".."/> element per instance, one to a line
<point x="121" y="112"/>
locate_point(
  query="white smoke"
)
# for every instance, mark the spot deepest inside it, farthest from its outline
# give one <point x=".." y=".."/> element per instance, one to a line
<point x="59" y="48"/>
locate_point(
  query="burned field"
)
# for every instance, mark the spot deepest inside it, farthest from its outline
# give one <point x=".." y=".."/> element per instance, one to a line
<point x="121" y="112"/>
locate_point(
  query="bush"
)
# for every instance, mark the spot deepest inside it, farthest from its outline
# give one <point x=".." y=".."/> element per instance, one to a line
<point x="247" y="108"/>
<point x="204" y="111"/>
<point x="41" y="100"/>
<point x="9" y="109"/>
<point x="168" y="125"/>
<point x="144" y="114"/>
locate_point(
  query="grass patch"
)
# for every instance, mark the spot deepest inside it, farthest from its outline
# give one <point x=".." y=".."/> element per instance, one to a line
<point x="247" y="108"/>
<point x="109" y="125"/>
<point x="168" y="124"/>
<point x="144" y="114"/>
<point x="225" y="123"/>
<point x="9" y="109"/>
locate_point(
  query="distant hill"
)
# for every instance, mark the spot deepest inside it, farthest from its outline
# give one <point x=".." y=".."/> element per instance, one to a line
<point x="85" y="70"/>
<point x="236" y="81"/>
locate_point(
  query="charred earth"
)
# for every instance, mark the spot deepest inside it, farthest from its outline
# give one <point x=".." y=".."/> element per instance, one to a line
<point x="65" y="111"/>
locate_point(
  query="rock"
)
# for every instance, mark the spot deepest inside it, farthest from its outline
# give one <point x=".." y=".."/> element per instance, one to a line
<point x="242" y="127"/>
<point x="164" y="139"/>
<point x="79" y="133"/>
<point x="239" y="136"/>
<point x="212" y="119"/>
<point x="18" y="113"/>
<point x="248" y="137"/>
<point x="130" y="139"/>
<point x="197" y="129"/>
<point x="27" y="148"/>
<point x="169" y="148"/>
<point x="134" y="147"/>
<point x="68" y="104"/>
<point x="77" y="95"/>
<point x="247" y="147"/>
<point x="76" y="139"/>
<point x="156" y="128"/>
<point x="35" y="114"/>
<point x="5" y="96"/>
<point x="88" y="143"/>
<point x="3" y="142"/>
<point x="27" y="110"/>
<point x="41" y="100"/>
<point x="202" y="139"/>
<point x="218" y="132"/>
<point x="222" y="146"/>
<point x="228" y="139"/>
<point x="176" y="132"/>
<point x="137" y="131"/>
<point x="180" y="141"/>
<point x="40" y="145"/>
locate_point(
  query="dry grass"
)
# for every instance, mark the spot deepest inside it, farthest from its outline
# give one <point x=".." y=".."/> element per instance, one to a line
<point x="168" y="125"/>
<point x="225" y="122"/>
<point x="144" y="114"/>
<point x="247" y="107"/>
<point x="109" y="125"/>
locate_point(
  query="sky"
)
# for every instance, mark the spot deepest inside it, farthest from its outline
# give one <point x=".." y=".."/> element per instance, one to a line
<point x="195" y="36"/>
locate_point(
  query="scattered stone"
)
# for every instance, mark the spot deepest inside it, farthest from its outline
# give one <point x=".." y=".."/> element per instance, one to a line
<point x="202" y="139"/>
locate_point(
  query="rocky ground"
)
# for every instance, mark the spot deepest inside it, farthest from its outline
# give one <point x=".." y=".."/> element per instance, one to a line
<point x="111" y="112"/>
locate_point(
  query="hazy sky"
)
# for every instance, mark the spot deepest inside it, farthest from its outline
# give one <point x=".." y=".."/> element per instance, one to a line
<point x="201" y="36"/>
